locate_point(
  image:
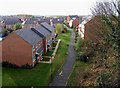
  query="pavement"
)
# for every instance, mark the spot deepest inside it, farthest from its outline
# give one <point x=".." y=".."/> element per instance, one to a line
<point x="63" y="75"/>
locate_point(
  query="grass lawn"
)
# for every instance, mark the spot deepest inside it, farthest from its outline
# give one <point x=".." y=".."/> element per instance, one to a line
<point x="40" y="75"/>
<point x="62" y="50"/>
<point x="79" y="70"/>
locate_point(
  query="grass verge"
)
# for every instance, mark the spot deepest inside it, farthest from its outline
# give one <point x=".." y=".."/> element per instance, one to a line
<point x="79" y="70"/>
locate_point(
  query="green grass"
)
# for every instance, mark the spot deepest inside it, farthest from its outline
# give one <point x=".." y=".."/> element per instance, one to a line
<point x="40" y="74"/>
<point x="62" y="50"/>
<point x="78" y="71"/>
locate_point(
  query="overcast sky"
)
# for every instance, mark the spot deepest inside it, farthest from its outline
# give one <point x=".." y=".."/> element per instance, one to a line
<point x="46" y="7"/>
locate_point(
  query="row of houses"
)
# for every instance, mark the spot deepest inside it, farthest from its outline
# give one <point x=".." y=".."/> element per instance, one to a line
<point x="27" y="45"/>
<point x="92" y="29"/>
<point x="89" y="28"/>
<point x="9" y="21"/>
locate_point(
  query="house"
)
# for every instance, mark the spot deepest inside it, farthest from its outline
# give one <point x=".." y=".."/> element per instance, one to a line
<point x="94" y="28"/>
<point x="81" y="29"/>
<point x="9" y="21"/>
<point x="47" y="37"/>
<point x="71" y="17"/>
<point x="28" y="22"/>
<point x="22" y="47"/>
<point x="73" y="21"/>
<point x="50" y="28"/>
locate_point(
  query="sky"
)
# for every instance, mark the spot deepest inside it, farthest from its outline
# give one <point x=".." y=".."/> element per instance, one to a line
<point x="46" y="7"/>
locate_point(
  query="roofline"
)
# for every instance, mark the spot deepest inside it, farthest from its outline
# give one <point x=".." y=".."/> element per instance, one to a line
<point x="46" y="28"/>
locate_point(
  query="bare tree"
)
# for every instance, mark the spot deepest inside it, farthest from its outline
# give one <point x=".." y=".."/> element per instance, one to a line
<point x="106" y="8"/>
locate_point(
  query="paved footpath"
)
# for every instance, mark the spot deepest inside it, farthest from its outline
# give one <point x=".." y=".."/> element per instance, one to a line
<point x="62" y="76"/>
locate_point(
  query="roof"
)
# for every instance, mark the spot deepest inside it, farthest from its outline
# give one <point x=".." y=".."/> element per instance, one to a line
<point x="0" y="29"/>
<point x="58" y="20"/>
<point x="44" y="20"/>
<point x="40" y="50"/>
<point x="42" y="30"/>
<point x="10" y="20"/>
<point x="73" y="16"/>
<point x="47" y="26"/>
<point x="31" y="20"/>
<point x="29" y="36"/>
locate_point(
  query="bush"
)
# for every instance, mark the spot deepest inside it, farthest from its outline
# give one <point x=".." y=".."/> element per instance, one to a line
<point x="17" y="26"/>
<point x="8" y="64"/>
<point x="5" y="32"/>
<point x="105" y="80"/>
<point x="59" y="28"/>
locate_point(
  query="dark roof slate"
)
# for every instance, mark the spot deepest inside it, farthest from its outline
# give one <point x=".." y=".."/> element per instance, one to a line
<point x="10" y="20"/>
<point x="47" y="26"/>
<point x="42" y="30"/>
<point x="28" y="35"/>
<point x="73" y="16"/>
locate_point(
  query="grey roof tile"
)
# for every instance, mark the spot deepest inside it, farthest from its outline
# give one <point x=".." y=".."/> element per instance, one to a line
<point x="42" y="30"/>
<point x="47" y="26"/>
<point x="10" y="20"/>
<point x="28" y="35"/>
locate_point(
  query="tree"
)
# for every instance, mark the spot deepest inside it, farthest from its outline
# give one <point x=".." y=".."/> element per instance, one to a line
<point x="17" y="26"/>
<point x="59" y="28"/>
<point x="110" y="13"/>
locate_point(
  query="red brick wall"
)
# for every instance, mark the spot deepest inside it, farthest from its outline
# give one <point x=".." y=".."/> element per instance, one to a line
<point x="94" y="28"/>
<point x="75" y="22"/>
<point x="16" y="50"/>
<point x="68" y="18"/>
<point x="44" y="45"/>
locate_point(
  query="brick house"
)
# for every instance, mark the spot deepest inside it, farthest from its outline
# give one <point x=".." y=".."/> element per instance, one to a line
<point x="47" y="37"/>
<point x="9" y="21"/>
<point x="50" y="28"/>
<point x="93" y="29"/>
<point x="22" y="47"/>
<point x="73" y="21"/>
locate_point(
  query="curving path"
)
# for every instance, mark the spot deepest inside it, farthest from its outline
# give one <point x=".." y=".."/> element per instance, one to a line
<point x="62" y="76"/>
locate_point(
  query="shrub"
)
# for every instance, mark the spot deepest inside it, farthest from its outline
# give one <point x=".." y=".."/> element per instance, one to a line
<point x="105" y="80"/>
<point x="17" y="26"/>
<point x="59" y="28"/>
<point x="8" y="64"/>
